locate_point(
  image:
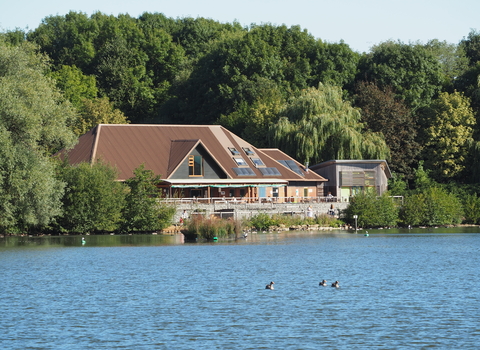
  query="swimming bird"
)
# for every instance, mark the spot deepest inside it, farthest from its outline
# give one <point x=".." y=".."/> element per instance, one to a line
<point x="323" y="283"/>
<point x="336" y="284"/>
<point x="270" y="285"/>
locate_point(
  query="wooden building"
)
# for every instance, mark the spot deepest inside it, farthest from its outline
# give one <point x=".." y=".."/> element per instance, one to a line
<point x="198" y="161"/>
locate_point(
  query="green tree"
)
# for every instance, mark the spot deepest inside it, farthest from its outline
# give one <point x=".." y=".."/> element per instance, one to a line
<point x="75" y="85"/>
<point x="471" y="46"/>
<point x="448" y="133"/>
<point x="143" y="211"/>
<point x="412" y="71"/>
<point x="93" y="199"/>
<point x="97" y="111"/>
<point x="319" y="125"/>
<point x="34" y="122"/>
<point x="452" y="58"/>
<point x="383" y="113"/>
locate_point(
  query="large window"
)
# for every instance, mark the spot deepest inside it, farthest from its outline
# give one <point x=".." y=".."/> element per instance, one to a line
<point x="195" y="166"/>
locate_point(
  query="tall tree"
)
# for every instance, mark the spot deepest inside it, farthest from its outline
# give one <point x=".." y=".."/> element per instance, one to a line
<point x="34" y="122"/>
<point x="93" y="199"/>
<point x="97" y="111"/>
<point x="142" y="211"/>
<point x="447" y="135"/>
<point x="319" y="125"/>
<point x="384" y="113"/>
<point x="412" y="71"/>
<point x="471" y="45"/>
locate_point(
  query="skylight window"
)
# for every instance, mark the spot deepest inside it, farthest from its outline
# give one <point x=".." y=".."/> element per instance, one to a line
<point x="240" y="161"/>
<point x="257" y="162"/>
<point x="248" y="151"/>
<point x="233" y="151"/>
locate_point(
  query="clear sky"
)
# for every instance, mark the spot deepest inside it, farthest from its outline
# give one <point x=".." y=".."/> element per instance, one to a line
<point x="360" y="24"/>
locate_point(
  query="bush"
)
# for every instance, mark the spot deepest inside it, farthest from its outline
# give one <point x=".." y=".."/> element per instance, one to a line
<point x="262" y="221"/>
<point x="471" y="208"/>
<point x="372" y="210"/>
<point x="430" y="207"/>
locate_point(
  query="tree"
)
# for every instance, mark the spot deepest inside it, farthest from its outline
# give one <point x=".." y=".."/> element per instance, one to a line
<point x="34" y="122"/>
<point x="383" y="113"/>
<point x="319" y="125"/>
<point x="97" y="111"/>
<point x="142" y="211"/>
<point x="412" y="71"/>
<point x="75" y="85"/>
<point x="93" y="199"/>
<point x="448" y="134"/>
<point x="452" y="58"/>
<point x="471" y="46"/>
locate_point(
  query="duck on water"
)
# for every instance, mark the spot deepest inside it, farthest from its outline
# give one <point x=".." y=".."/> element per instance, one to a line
<point x="323" y="283"/>
<point x="270" y="285"/>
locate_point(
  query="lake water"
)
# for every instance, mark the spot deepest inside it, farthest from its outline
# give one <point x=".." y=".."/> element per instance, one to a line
<point x="398" y="291"/>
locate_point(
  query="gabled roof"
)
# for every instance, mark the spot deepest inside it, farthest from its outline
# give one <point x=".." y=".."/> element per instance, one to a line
<point x="281" y="157"/>
<point x="163" y="148"/>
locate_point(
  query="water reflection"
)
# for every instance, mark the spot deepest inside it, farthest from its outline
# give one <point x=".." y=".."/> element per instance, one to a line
<point x="177" y="239"/>
<point x="91" y="241"/>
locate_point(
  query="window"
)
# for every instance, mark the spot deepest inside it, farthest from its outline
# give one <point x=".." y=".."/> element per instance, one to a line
<point x="369" y="178"/>
<point x="233" y="151"/>
<point x="248" y="151"/>
<point x="195" y="166"/>
<point x="240" y="161"/>
<point x="257" y="162"/>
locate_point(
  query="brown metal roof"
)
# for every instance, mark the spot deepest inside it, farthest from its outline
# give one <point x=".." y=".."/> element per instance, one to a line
<point x="277" y="154"/>
<point x="162" y="148"/>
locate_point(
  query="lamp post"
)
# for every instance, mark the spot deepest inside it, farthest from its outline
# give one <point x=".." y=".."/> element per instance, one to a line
<point x="355" y="217"/>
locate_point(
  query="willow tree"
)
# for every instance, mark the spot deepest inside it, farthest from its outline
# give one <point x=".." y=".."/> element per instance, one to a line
<point x="319" y="125"/>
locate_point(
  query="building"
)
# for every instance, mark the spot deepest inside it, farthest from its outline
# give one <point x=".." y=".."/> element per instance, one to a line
<point x="198" y="161"/>
<point x="348" y="177"/>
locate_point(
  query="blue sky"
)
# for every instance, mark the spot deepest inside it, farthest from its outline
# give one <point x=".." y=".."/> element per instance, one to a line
<point x="361" y="24"/>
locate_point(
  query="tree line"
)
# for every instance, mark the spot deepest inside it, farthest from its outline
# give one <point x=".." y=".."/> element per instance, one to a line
<point x="275" y="86"/>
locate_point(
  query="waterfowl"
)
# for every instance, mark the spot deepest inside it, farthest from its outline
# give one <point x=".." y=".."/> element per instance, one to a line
<point x="323" y="283"/>
<point x="270" y="285"/>
<point x="336" y="284"/>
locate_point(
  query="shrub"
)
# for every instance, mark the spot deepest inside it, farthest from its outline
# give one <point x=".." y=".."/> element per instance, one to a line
<point x="471" y="208"/>
<point x="262" y="221"/>
<point x="372" y="210"/>
<point x="430" y="207"/>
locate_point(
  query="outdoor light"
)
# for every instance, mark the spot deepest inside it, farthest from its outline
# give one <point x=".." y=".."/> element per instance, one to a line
<point x="355" y="217"/>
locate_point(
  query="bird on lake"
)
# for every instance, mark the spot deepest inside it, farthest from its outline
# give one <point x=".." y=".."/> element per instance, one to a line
<point x="270" y="285"/>
<point x="323" y="283"/>
<point x="336" y="284"/>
